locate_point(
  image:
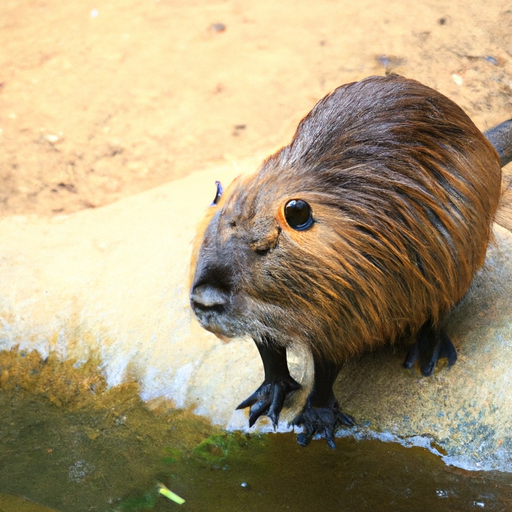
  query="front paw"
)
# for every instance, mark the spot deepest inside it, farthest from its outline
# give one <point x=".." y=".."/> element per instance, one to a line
<point x="269" y="399"/>
<point x="321" y="420"/>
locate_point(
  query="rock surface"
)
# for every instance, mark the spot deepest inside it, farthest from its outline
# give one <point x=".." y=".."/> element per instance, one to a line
<point x="466" y="410"/>
<point x="113" y="282"/>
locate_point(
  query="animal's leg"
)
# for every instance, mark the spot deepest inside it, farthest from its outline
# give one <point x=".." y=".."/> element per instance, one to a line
<point x="269" y="398"/>
<point x="432" y="344"/>
<point x="321" y="414"/>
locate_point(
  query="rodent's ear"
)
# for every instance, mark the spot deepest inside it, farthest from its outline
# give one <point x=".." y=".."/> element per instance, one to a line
<point x="298" y="215"/>
<point x="218" y="194"/>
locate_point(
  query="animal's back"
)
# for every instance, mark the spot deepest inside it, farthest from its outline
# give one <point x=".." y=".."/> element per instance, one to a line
<point x="405" y="187"/>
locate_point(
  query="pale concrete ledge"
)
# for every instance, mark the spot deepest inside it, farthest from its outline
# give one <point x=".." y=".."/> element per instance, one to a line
<point x="114" y="282"/>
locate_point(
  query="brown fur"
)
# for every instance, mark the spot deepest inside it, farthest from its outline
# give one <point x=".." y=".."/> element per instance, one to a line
<point x="403" y="188"/>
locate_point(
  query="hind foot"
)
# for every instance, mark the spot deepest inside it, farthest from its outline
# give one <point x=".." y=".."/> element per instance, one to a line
<point x="432" y="344"/>
<point x="321" y="420"/>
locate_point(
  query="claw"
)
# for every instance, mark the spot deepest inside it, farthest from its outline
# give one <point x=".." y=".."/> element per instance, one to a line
<point x="346" y="419"/>
<point x="277" y="404"/>
<point x="257" y="410"/>
<point x="305" y="437"/>
<point x="329" y="437"/>
<point x="447" y="349"/>
<point x="269" y="400"/>
<point x="432" y="344"/>
<point x="250" y="400"/>
<point x="321" y="420"/>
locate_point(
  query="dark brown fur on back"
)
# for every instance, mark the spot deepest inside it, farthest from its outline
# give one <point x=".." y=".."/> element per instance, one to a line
<point x="403" y="189"/>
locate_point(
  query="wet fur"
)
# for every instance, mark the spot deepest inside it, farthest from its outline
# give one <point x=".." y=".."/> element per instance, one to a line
<point x="403" y="188"/>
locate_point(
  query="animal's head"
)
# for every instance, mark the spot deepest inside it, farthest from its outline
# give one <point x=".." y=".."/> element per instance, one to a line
<point x="267" y="261"/>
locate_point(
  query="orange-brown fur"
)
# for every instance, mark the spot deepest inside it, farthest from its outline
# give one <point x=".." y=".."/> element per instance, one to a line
<point x="403" y="188"/>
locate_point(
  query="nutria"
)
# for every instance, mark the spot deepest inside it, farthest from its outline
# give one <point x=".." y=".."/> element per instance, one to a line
<point x="368" y="227"/>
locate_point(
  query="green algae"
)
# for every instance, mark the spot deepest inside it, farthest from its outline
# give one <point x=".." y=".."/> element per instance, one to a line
<point x="216" y="448"/>
<point x="69" y="443"/>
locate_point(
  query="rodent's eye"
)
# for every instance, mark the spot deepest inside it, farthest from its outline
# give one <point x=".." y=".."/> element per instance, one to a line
<point x="298" y="214"/>
<point x="218" y="194"/>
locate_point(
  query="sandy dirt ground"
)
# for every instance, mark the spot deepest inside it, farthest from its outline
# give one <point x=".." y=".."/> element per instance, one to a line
<point x="100" y="99"/>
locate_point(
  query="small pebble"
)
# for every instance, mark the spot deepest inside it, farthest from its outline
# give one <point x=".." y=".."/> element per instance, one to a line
<point x="457" y="79"/>
<point x="217" y="27"/>
<point x="52" y="139"/>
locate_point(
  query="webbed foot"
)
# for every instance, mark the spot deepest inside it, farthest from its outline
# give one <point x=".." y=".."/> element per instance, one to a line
<point x="269" y="399"/>
<point x="321" y="414"/>
<point x="431" y="345"/>
<point x="321" y="420"/>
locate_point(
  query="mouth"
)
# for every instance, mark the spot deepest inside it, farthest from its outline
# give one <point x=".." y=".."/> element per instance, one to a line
<point x="223" y="336"/>
<point x="212" y="323"/>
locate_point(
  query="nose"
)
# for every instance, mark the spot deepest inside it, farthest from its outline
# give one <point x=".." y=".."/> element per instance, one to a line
<point x="207" y="297"/>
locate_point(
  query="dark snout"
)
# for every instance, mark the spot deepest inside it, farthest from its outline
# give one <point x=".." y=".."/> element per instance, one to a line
<point x="211" y="298"/>
<point x="207" y="297"/>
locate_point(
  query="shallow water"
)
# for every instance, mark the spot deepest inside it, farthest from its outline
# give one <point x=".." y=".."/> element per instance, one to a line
<point x="110" y="456"/>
